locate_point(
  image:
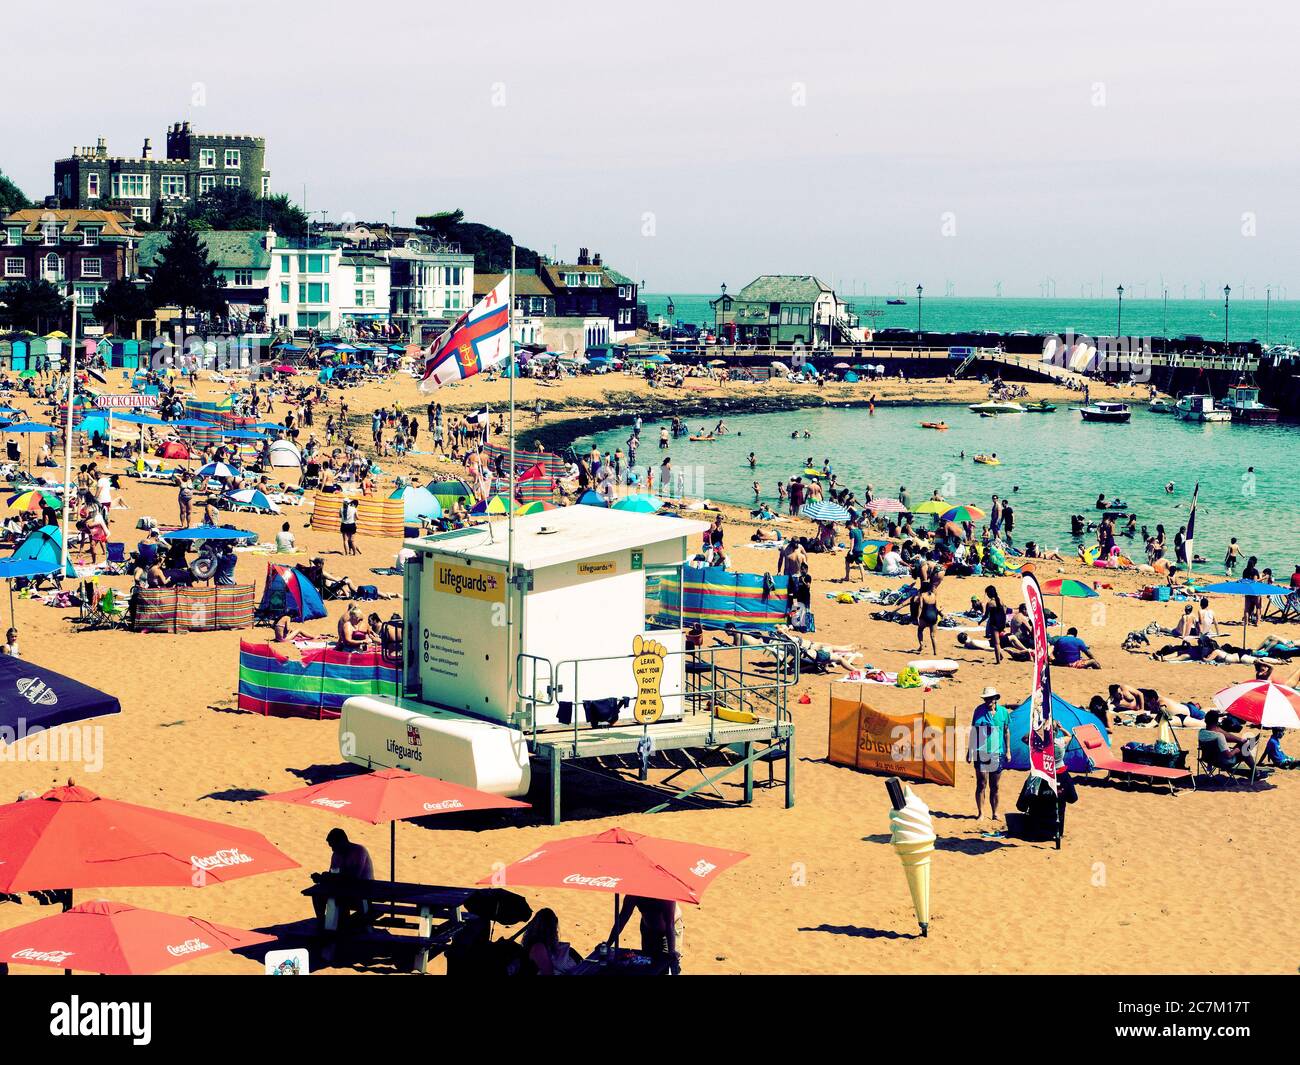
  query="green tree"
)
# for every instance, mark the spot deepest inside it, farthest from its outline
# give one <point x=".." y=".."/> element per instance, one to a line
<point x="36" y="305"/>
<point x="11" y="196"/>
<point x="186" y="277"/>
<point x="123" y="303"/>
<point x="235" y="207"/>
<point x="490" y="247"/>
<point x="442" y="224"/>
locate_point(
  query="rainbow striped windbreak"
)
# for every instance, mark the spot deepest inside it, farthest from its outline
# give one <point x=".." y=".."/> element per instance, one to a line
<point x="315" y="685"/>
<point x="715" y="597"/>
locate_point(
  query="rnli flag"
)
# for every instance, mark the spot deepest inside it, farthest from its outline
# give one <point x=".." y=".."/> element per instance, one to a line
<point x="477" y="341"/>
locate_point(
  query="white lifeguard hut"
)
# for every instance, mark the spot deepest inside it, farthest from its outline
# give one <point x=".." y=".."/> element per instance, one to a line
<point x="529" y="647"/>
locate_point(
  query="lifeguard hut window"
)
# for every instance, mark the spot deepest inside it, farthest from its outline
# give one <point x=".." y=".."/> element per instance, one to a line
<point x="663" y="597"/>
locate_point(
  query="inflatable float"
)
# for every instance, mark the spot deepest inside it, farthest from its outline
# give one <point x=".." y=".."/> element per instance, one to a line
<point x="988" y="460"/>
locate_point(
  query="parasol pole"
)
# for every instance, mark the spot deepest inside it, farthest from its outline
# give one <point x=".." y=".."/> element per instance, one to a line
<point x="510" y="492"/>
<point x="67" y="437"/>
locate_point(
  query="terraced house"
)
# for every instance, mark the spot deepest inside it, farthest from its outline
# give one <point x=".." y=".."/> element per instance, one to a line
<point x="600" y="296"/>
<point x="242" y="258"/>
<point x="87" y="249"/>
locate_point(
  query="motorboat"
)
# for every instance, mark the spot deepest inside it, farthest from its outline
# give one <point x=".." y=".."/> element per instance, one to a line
<point x="1160" y="406"/>
<point x="896" y="303"/>
<point x="1200" y="407"/>
<point x="993" y="406"/>
<point x="1116" y="413"/>
<point x="1243" y="402"/>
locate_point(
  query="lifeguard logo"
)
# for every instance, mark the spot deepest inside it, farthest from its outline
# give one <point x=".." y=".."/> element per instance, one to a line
<point x="413" y="735"/>
<point x="469" y="583"/>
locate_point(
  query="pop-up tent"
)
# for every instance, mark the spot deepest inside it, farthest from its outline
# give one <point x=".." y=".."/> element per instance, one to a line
<point x="40" y="698"/>
<point x="288" y="591"/>
<point x="1068" y="715"/>
<point x="45" y="545"/>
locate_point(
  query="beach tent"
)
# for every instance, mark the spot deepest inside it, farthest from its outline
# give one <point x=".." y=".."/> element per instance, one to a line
<point x="173" y="449"/>
<point x="315" y="685"/>
<point x="285" y="454"/>
<point x="418" y="503"/>
<point x="254" y="499"/>
<point x="591" y="499"/>
<point x="39" y="697"/>
<point x="44" y="545"/>
<point x="288" y="591"/>
<point x="447" y="492"/>
<point x="1068" y="715"/>
<point x="714" y="597"/>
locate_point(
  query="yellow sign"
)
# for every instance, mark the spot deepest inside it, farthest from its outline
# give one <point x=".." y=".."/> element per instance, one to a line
<point x="469" y="583"/>
<point x="597" y="569"/>
<point x="648" y="669"/>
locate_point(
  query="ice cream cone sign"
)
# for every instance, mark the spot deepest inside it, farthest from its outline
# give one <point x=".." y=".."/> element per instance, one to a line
<point x="648" y="669"/>
<point x="912" y="835"/>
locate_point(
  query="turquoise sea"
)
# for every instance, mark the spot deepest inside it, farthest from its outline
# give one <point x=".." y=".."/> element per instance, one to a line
<point x="1277" y="321"/>
<point x="1053" y="465"/>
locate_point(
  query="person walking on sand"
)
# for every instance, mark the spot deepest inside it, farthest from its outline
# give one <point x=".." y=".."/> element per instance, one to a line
<point x="348" y="526"/>
<point x="990" y="740"/>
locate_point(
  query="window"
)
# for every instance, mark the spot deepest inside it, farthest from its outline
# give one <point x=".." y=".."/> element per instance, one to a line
<point x="15" y="268"/>
<point x="172" y="184"/>
<point x="624" y="316"/>
<point x="313" y="292"/>
<point x="241" y="278"/>
<point x="286" y="264"/>
<point x="663" y="608"/>
<point x="624" y="292"/>
<point x="232" y="158"/>
<point x="15" y="235"/>
<point x="208" y="158"/>
<point x="131" y="186"/>
<point x="573" y="280"/>
<point x="313" y="319"/>
<point x="92" y="267"/>
<point x="207" y="182"/>
<point x="49" y="233"/>
<point x="232" y="181"/>
<point x="591" y="280"/>
<point x="140" y="212"/>
<point x="365" y="275"/>
<point x="313" y="264"/>
<point x="90" y="236"/>
<point x="92" y="186"/>
<point x="284" y="291"/>
<point x="266" y="186"/>
<point x="53" y="268"/>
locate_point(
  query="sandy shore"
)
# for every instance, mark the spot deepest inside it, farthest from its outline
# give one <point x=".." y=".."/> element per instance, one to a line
<point x="1139" y="879"/>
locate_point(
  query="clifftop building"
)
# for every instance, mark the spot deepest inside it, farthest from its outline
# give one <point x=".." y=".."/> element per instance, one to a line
<point x="153" y="188"/>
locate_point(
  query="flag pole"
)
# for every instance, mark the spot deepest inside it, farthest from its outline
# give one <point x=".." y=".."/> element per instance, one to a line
<point x="67" y="437"/>
<point x="510" y="493"/>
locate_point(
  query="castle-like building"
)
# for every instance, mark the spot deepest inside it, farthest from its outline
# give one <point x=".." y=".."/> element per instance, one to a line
<point x="152" y="188"/>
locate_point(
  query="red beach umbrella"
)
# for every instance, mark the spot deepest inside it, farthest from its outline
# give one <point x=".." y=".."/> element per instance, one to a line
<point x="621" y="862"/>
<point x="1262" y="703"/>
<point x="71" y="838"/>
<point x="120" y="940"/>
<point x="392" y="795"/>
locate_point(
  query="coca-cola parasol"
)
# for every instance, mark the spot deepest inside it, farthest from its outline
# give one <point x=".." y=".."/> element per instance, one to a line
<point x="119" y="940"/>
<point x="71" y="838"/>
<point x="621" y="862"/>
<point x="392" y="795"/>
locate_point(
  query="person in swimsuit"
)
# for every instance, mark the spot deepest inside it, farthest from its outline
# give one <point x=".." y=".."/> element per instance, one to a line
<point x="926" y="619"/>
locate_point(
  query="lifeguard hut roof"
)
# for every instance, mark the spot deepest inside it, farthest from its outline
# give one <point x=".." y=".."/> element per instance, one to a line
<point x="567" y="534"/>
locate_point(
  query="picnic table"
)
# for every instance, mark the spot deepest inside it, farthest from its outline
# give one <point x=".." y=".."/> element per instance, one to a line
<point x="623" y="962"/>
<point x="391" y="904"/>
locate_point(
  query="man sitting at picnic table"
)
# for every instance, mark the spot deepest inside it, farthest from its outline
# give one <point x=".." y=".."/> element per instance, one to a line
<point x="349" y="861"/>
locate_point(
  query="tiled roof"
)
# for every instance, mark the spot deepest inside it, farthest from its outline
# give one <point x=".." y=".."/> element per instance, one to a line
<point x="556" y="275"/>
<point x="228" y="248"/>
<point x="783" y="288"/>
<point x="110" y="223"/>
<point x="527" y="283"/>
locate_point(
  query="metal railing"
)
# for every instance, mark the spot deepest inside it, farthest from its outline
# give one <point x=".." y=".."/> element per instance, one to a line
<point x="744" y="679"/>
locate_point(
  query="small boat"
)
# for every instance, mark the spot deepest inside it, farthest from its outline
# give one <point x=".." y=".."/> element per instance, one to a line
<point x="988" y="460"/>
<point x="1199" y="407"/>
<point x="996" y="407"/>
<point x="941" y="426"/>
<point x="1160" y="406"/>
<point x="1040" y="407"/>
<point x="1243" y="402"/>
<point x="896" y="303"/>
<point x="1116" y="413"/>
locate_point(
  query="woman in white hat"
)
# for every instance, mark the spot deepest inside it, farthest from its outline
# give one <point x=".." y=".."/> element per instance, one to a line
<point x="988" y="748"/>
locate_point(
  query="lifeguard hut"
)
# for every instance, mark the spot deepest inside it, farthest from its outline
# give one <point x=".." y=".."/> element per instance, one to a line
<point x="564" y="641"/>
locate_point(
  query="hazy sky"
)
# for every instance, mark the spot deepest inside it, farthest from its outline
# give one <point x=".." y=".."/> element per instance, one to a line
<point x="696" y="143"/>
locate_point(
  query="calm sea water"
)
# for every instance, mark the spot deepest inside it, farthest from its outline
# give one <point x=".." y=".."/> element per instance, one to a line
<point x="1053" y="465"/>
<point x="1277" y="321"/>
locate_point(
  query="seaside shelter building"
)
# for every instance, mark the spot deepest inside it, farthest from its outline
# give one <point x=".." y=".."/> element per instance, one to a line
<point x="557" y="645"/>
<point x="786" y="309"/>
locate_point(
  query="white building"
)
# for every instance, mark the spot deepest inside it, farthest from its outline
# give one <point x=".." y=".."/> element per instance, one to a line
<point x="364" y="286"/>
<point x="432" y="286"/>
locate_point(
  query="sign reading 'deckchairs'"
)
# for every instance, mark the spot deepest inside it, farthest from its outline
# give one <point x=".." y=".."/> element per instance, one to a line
<point x="127" y="401"/>
<point x="469" y="583"/>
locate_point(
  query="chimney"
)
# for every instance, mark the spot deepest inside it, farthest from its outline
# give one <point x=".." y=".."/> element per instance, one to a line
<point x="101" y="149"/>
<point x="596" y="260"/>
<point x="583" y="257"/>
<point x="147" y="150"/>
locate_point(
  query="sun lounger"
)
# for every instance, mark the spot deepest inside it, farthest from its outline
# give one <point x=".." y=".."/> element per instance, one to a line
<point x="1101" y="757"/>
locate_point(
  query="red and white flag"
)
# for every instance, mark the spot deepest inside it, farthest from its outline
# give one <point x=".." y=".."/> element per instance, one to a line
<point x="477" y="341"/>
<point x="1042" y="739"/>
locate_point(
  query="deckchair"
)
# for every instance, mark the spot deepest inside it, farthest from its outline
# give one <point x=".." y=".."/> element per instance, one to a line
<point x="106" y="611"/>
<point x="1101" y="757"/>
<point x="1209" y="765"/>
<point x="1282" y="607"/>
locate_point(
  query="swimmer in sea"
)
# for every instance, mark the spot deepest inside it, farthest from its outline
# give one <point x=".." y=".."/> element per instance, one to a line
<point x="753" y="462"/>
<point x="1169" y="488"/>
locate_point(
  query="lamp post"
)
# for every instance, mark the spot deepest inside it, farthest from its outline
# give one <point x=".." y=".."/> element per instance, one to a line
<point x="919" y="290"/>
<point x="1119" y="310"/>
<point x="67" y="429"/>
<point x="1226" y="292"/>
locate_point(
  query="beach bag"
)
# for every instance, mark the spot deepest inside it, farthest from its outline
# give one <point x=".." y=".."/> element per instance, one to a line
<point x="908" y="677"/>
<point x="367" y="591"/>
